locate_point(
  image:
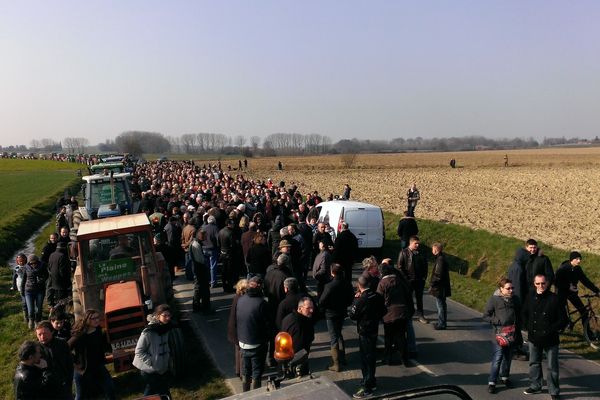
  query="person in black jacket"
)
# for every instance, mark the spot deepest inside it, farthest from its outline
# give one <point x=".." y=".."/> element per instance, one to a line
<point x="395" y="290"/>
<point x="253" y="326"/>
<point x="30" y="382"/>
<point x="407" y="227"/>
<point x="59" y="361"/>
<point x="346" y="251"/>
<point x="337" y="296"/>
<point x="544" y="316"/>
<point x="367" y="310"/>
<point x="300" y="324"/>
<point x="537" y="263"/>
<point x="59" y="269"/>
<point x="440" y="284"/>
<point x="568" y="276"/>
<point x="414" y="266"/>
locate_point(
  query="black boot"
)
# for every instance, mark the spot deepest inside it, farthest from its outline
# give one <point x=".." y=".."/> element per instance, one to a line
<point x="256" y="384"/>
<point x="246" y="383"/>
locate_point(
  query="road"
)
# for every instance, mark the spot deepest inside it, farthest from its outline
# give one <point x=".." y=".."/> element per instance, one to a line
<point x="460" y="355"/>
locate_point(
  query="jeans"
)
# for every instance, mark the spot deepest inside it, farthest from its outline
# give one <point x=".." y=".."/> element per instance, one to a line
<point x="535" y="368"/>
<point x="411" y="339"/>
<point x="91" y="383"/>
<point x="34" y="301"/>
<point x="156" y="383"/>
<point x="334" y="327"/>
<point x="253" y="362"/>
<point x="367" y="346"/>
<point x="189" y="267"/>
<point x="501" y="359"/>
<point x="442" y="309"/>
<point x="417" y="287"/>
<point x="211" y="258"/>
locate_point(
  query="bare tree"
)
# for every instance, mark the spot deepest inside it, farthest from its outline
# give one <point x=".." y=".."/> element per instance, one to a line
<point x="240" y="141"/>
<point x="255" y="142"/>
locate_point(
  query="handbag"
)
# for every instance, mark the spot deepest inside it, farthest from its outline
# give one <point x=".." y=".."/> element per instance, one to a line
<point x="506" y="336"/>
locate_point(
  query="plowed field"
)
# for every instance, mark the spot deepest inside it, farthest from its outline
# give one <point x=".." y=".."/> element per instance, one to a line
<point x="552" y="195"/>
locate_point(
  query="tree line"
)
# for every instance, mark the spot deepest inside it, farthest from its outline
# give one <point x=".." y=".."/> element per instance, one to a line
<point x="139" y="142"/>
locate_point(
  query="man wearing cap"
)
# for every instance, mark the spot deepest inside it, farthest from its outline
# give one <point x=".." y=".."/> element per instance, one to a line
<point x="568" y="276"/>
<point x="59" y="268"/>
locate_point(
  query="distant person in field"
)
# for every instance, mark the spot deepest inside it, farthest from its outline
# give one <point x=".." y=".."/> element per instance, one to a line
<point x="407" y="227"/>
<point x="280" y="166"/>
<point x="506" y="160"/>
<point x="412" y="197"/>
<point x="347" y="190"/>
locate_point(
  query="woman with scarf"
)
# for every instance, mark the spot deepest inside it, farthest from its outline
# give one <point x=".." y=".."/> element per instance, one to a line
<point x="152" y="352"/>
<point x="503" y="310"/>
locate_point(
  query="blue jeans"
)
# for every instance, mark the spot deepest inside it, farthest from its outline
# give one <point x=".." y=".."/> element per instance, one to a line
<point x="189" y="267"/>
<point x="442" y="309"/>
<point x="535" y="368"/>
<point x="368" y="346"/>
<point x="501" y="359"/>
<point x="334" y="327"/>
<point x="34" y="301"/>
<point x="253" y="362"/>
<point x="211" y="258"/>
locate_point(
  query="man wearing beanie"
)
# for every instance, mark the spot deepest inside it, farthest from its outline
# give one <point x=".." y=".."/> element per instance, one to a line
<point x="568" y="276"/>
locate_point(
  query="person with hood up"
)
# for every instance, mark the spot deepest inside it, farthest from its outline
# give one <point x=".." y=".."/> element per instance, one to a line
<point x="152" y="352"/>
<point x="502" y="309"/>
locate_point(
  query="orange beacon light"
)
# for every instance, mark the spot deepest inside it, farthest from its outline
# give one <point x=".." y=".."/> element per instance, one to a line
<point x="284" y="348"/>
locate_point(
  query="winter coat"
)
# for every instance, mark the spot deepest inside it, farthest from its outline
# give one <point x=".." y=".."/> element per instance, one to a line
<point x="518" y="275"/>
<point x="567" y="275"/>
<point x="30" y="383"/>
<point x="397" y="297"/>
<point x="273" y="284"/>
<point x="59" y="268"/>
<point x="539" y="265"/>
<point x="502" y="311"/>
<point x="367" y="310"/>
<point x="258" y="259"/>
<point x="34" y="279"/>
<point x="321" y="271"/>
<point x="253" y="318"/>
<point x="337" y="296"/>
<point x="152" y="352"/>
<point x="346" y="248"/>
<point x="440" y="277"/>
<point x="301" y="329"/>
<point x="413" y="264"/>
<point x="544" y="316"/>
<point x="407" y="227"/>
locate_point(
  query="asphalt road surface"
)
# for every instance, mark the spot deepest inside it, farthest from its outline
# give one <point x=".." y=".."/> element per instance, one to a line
<point x="460" y="355"/>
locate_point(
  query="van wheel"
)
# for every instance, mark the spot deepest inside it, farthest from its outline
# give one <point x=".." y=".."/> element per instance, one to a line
<point x="176" y="347"/>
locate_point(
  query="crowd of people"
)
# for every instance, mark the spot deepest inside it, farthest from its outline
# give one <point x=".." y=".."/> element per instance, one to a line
<point x="262" y="241"/>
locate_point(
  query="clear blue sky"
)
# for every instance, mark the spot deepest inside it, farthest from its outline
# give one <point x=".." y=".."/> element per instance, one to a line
<point x="345" y="69"/>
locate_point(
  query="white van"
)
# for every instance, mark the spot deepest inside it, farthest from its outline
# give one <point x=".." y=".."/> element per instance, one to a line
<point x="364" y="220"/>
